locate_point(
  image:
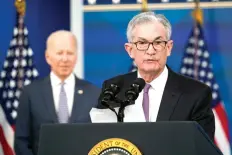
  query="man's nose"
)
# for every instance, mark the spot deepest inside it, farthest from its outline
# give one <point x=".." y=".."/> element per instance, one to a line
<point x="151" y="50"/>
<point x="64" y="57"/>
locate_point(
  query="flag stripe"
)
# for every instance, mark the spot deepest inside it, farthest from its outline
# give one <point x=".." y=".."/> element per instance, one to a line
<point x="219" y="109"/>
<point x="1" y="149"/>
<point x="220" y="137"/>
<point x="5" y="147"/>
<point x="6" y="130"/>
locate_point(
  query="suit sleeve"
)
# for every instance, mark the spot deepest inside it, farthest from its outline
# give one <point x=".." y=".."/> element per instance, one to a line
<point x="203" y="114"/>
<point x="22" y="144"/>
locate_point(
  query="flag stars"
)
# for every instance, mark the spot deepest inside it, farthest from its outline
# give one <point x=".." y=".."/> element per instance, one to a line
<point x="16" y="104"/>
<point x="208" y="83"/>
<point x="24" y="52"/>
<point x="201" y="43"/>
<point x="17" y="93"/>
<point x="25" y="31"/>
<point x="13" y="73"/>
<point x="210" y="75"/>
<point x="183" y="70"/>
<point x="17" y="52"/>
<point x="16" y="63"/>
<point x="6" y="64"/>
<point x="202" y="73"/>
<point x="204" y="64"/>
<point x="12" y="84"/>
<point x="10" y="94"/>
<point x="1" y="84"/>
<point x="29" y="73"/>
<point x="15" y="31"/>
<point x="214" y="95"/>
<point x="215" y="86"/>
<point x="199" y="52"/>
<point x="14" y="114"/>
<point x="30" y="52"/>
<point x="13" y="42"/>
<point x="27" y="82"/>
<point x="9" y="53"/>
<point x="190" y="50"/>
<point x="8" y="104"/>
<point x="206" y="54"/>
<point x="3" y="74"/>
<point x="189" y="71"/>
<point x="23" y="63"/>
<point x="35" y="72"/>
<point x="4" y="94"/>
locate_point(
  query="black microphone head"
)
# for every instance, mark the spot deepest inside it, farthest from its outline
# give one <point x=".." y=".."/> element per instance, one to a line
<point x="114" y="88"/>
<point x="140" y="83"/>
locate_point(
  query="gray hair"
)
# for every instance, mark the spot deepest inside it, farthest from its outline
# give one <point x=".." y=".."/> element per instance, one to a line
<point x="147" y="17"/>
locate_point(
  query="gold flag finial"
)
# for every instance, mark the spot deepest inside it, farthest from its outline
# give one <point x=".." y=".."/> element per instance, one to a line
<point x="144" y="6"/>
<point x="20" y="7"/>
<point x="197" y="13"/>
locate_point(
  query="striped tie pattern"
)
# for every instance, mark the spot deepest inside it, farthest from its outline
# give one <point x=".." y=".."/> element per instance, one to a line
<point x="146" y="101"/>
<point x="63" y="115"/>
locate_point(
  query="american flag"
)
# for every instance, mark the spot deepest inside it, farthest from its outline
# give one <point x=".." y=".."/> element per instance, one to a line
<point x="18" y="70"/>
<point x="196" y="64"/>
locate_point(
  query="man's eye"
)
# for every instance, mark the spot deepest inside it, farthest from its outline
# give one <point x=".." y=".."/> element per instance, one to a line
<point x="158" y="42"/>
<point x="142" y="43"/>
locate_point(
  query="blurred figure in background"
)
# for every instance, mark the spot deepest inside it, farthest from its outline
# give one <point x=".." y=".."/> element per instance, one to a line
<point x="58" y="98"/>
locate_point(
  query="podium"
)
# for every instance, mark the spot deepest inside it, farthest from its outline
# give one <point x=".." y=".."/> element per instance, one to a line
<point x="159" y="138"/>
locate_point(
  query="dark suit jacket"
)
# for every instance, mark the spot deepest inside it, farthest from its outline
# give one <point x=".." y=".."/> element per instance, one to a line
<point x="36" y="107"/>
<point x="183" y="99"/>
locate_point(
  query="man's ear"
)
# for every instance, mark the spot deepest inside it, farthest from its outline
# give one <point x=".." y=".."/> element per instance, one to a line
<point x="47" y="57"/>
<point x="169" y="47"/>
<point x="129" y="49"/>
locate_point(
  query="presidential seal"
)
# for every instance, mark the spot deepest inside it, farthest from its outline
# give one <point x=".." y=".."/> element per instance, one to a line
<point x="115" y="146"/>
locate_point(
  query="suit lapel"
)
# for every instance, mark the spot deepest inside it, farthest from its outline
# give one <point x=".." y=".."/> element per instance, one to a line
<point x="49" y="101"/>
<point x="78" y="99"/>
<point x="170" y="97"/>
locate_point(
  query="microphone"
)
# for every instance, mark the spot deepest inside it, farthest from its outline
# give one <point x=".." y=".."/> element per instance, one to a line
<point x="133" y="92"/>
<point x="109" y="95"/>
<point x="131" y="95"/>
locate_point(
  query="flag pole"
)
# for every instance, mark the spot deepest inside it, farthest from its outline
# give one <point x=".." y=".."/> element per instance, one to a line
<point x="144" y="6"/>
<point x="198" y="19"/>
<point x="21" y="9"/>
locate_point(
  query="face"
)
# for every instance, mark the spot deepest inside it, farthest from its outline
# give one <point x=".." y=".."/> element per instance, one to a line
<point x="61" y="55"/>
<point x="151" y="59"/>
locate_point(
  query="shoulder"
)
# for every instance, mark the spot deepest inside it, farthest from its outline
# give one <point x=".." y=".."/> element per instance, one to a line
<point x="122" y="78"/>
<point x="188" y="84"/>
<point x="37" y="83"/>
<point x="87" y="84"/>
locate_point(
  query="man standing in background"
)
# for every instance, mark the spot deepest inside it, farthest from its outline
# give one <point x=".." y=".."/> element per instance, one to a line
<point x="58" y="98"/>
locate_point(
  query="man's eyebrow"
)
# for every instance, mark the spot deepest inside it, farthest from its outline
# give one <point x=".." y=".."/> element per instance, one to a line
<point x="157" y="38"/>
<point x="141" y="38"/>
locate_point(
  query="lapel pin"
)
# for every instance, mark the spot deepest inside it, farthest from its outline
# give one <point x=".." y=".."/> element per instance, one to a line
<point x="80" y="92"/>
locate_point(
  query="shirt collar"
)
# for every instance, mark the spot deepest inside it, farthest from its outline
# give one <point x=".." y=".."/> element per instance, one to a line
<point x="55" y="80"/>
<point x="159" y="82"/>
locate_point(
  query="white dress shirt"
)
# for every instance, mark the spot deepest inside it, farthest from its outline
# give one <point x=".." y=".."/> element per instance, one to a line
<point x="68" y="87"/>
<point x="155" y="95"/>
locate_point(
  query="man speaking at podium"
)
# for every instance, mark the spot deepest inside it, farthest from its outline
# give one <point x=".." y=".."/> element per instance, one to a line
<point x="58" y="98"/>
<point x="167" y="96"/>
